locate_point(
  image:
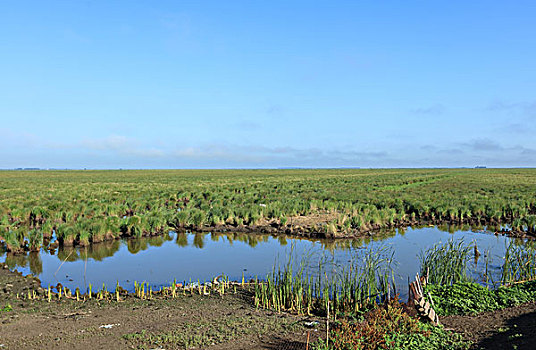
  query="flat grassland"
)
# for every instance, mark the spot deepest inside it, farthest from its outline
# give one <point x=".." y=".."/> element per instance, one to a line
<point x="81" y="207"/>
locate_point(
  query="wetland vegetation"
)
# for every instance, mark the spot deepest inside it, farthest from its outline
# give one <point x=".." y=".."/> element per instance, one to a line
<point x="353" y="300"/>
<point x="50" y="208"/>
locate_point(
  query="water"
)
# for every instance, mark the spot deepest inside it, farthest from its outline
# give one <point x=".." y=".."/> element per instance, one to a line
<point x="202" y="256"/>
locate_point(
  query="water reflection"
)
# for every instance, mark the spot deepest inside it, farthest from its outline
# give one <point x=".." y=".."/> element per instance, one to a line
<point x="135" y="245"/>
<point x="16" y="260"/>
<point x="160" y="259"/>
<point x="199" y="240"/>
<point x="99" y="252"/>
<point x="36" y="264"/>
<point x="31" y="261"/>
<point x="102" y="250"/>
<point x="182" y="239"/>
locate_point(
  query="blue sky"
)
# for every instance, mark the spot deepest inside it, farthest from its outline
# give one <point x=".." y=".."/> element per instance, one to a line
<point x="225" y="84"/>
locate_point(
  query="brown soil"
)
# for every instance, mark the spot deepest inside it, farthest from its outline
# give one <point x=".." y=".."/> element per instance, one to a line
<point x="510" y="328"/>
<point x="304" y="226"/>
<point x="188" y="321"/>
<point x="200" y="322"/>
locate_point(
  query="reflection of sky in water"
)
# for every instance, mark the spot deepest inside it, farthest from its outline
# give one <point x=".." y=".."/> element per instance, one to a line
<point x="160" y="260"/>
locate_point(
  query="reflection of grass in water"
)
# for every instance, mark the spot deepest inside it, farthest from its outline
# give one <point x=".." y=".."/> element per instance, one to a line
<point x="137" y="245"/>
<point x="254" y="240"/>
<point x="250" y="239"/>
<point x="96" y="251"/>
<point x="36" y="265"/>
<point x="182" y="239"/>
<point x="16" y="260"/>
<point x="68" y="254"/>
<point x="158" y="241"/>
<point x="215" y="237"/>
<point x="199" y="240"/>
<point x="452" y="228"/>
<point x="101" y="250"/>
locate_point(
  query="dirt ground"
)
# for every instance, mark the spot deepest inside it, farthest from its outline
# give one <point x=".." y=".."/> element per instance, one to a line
<point x="510" y="328"/>
<point x="188" y="321"/>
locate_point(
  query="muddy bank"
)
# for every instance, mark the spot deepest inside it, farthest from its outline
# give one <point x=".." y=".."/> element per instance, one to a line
<point x="310" y="228"/>
<point x="194" y="321"/>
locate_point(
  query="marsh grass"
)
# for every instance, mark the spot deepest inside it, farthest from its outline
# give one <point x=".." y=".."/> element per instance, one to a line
<point x="446" y="263"/>
<point x="328" y="288"/>
<point x="92" y="206"/>
<point x="519" y="262"/>
<point x="453" y="292"/>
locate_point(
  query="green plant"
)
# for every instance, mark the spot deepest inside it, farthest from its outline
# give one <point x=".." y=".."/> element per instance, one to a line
<point x="516" y="294"/>
<point x="470" y="298"/>
<point x="461" y="298"/>
<point x="519" y="262"/>
<point x="35" y="239"/>
<point x="7" y="308"/>
<point x="389" y="326"/>
<point x="367" y="281"/>
<point x="446" y="263"/>
<point x="341" y="201"/>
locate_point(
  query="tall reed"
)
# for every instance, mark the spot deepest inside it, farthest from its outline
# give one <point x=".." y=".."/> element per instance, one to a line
<point x="446" y="263"/>
<point x="296" y="287"/>
<point x="519" y="262"/>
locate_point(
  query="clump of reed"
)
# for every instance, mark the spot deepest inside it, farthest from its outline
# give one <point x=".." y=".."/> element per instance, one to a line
<point x="446" y="263"/>
<point x="328" y="289"/>
<point x="519" y="263"/>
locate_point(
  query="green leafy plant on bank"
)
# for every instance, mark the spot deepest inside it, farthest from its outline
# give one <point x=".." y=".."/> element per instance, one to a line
<point x="389" y="326"/>
<point x="466" y="298"/>
<point x="462" y="298"/>
<point x="454" y="293"/>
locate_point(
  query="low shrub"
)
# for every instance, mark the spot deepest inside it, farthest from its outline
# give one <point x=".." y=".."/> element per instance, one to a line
<point x="389" y="327"/>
